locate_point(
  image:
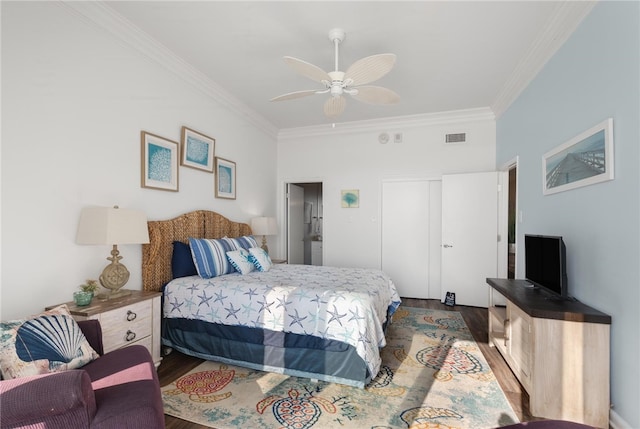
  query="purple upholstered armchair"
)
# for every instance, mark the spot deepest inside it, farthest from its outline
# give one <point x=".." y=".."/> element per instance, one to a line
<point x="118" y="390"/>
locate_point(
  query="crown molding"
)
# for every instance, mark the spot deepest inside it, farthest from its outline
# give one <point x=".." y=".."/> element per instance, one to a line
<point x="564" y="21"/>
<point x="391" y="123"/>
<point x="99" y="14"/>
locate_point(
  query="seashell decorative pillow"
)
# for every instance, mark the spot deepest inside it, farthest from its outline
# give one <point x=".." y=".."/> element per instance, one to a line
<point x="47" y="342"/>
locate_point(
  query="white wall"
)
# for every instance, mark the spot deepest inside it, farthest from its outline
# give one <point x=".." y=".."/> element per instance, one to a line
<point x="74" y="100"/>
<point x="350" y="157"/>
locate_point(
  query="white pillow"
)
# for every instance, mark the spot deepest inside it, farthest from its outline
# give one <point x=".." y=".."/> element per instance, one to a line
<point x="240" y="261"/>
<point x="260" y="259"/>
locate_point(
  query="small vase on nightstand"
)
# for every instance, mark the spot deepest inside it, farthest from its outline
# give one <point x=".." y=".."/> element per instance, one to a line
<point x="82" y="298"/>
<point x="85" y="295"/>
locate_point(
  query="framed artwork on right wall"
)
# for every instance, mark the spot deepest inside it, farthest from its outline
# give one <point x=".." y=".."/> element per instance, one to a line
<point x="584" y="160"/>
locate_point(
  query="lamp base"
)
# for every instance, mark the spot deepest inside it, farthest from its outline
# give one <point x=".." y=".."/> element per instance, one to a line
<point x="114" y="277"/>
<point x="264" y="244"/>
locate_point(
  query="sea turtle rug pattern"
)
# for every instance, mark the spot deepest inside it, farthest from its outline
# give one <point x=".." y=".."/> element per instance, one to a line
<point x="433" y="376"/>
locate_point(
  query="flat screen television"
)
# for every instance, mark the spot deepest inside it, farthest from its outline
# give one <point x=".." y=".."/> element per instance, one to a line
<point x="546" y="263"/>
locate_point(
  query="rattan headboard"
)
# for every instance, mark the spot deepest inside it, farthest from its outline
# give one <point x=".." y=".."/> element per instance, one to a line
<point x="156" y="256"/>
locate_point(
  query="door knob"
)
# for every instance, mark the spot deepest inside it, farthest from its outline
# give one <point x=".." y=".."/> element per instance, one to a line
<point x="446" y="246"/>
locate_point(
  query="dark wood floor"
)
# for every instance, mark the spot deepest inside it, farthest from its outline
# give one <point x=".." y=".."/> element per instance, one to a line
<point x="176" y="364"/>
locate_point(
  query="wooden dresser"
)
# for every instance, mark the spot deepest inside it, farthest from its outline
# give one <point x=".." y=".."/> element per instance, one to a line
<point x="128" y="320"/>
<point x="558" y="350"/>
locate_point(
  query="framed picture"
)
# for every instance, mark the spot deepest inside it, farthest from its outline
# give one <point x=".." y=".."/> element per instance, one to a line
<point x="159" y="162"/>
<point x="225" y="178"/>
<point x="584" y="160"/>
<point x="350" y="198"/>
<point x="197" y="150"/>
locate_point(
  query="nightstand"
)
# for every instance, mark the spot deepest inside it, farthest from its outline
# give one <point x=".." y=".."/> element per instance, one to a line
<point x="128" y="320"/>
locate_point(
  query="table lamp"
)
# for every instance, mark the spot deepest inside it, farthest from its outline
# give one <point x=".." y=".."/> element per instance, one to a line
<point x="112" y="226"/>
<point x="264" y="226"/>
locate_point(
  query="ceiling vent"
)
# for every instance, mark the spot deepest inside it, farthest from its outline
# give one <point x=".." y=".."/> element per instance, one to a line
<point x="456" y="138"/>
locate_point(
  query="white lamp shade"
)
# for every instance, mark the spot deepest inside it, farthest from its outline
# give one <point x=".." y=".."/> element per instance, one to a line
<point x="264" y="226"/>
<point x="112" y="225"/>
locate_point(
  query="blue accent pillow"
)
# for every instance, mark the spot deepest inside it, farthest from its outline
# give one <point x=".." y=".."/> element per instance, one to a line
<point x="182" y="261"/>
<point x="47" y="342"/>
<point x="210" y="257"/>
<point x="260" y="259"/>
<point x="245" y="242"/>
<point x="240" y="261"/>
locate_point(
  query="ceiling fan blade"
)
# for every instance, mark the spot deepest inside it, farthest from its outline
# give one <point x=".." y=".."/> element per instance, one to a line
<point x="306" y="69"/>
<point x="294" y="95"/>
<point x="334" y="106"/>
<point x="370" y="68"/>
<point x="376" y="95"/>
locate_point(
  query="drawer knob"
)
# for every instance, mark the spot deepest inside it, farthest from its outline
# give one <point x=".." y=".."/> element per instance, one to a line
<point x="130" y="336"/>
<point x="131" y="316"/>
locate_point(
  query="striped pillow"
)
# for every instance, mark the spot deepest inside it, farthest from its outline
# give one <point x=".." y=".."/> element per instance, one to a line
<point x="240" y="261"/>
<point x="210" y="256"/>
<point x="246" y="242"/>
<point x="260" y="259"/>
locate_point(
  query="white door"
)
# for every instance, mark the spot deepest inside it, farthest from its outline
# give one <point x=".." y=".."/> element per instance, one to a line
<point x="295" y="224"/>
<point x="469" y="235"/>
<point x="405" y="236"/>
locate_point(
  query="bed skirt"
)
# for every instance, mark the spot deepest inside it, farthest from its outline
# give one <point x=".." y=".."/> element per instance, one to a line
<point x="265" y="350"/>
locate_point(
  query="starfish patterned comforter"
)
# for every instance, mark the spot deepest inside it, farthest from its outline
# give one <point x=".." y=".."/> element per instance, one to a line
<point x="350" y="305"/>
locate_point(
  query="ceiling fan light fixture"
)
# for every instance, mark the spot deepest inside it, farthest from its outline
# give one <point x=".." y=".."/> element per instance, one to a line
<point x="336" y="82"/>
<point x="334" y="106"/>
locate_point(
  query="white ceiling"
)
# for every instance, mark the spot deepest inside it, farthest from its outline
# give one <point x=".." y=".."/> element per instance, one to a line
<point x="451" y="55"/>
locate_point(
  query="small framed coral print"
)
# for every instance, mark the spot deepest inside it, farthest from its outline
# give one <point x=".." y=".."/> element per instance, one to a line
<point x="350" y="198"/>
<point x="159" y="162"/>
<point x="197" y="150"/>
<point x="225" y="178"/>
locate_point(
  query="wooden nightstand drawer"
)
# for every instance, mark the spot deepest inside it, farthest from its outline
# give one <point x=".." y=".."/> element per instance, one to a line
<point x="146" y="341"/>
<point x="126" y="325"/>
<point x="127" y="320"/>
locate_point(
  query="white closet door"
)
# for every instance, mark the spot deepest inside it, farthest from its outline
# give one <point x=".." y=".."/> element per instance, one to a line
<point x="435" y="239"/>
<point x="405" y="236"/>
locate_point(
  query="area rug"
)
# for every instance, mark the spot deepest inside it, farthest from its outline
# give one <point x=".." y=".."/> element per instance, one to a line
<point x="433" y="376"/>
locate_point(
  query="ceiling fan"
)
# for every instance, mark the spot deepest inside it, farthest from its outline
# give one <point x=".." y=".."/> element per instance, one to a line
<point x="338" y="83"/>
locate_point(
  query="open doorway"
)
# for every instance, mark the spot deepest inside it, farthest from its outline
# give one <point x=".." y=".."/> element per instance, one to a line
<point x="304" y="223"/>
<point x="512" y="222"/>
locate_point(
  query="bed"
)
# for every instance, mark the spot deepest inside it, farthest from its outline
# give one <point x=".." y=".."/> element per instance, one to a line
<point x="324" y="323"/>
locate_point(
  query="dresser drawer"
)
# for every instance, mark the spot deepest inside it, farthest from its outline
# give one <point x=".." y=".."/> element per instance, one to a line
<point x="126" y="325"/>
<point x="146" y="341"/>
<point x="131" y="319"/>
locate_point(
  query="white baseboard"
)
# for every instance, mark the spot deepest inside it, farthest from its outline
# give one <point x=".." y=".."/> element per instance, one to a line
<point x="617" y="422"/>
